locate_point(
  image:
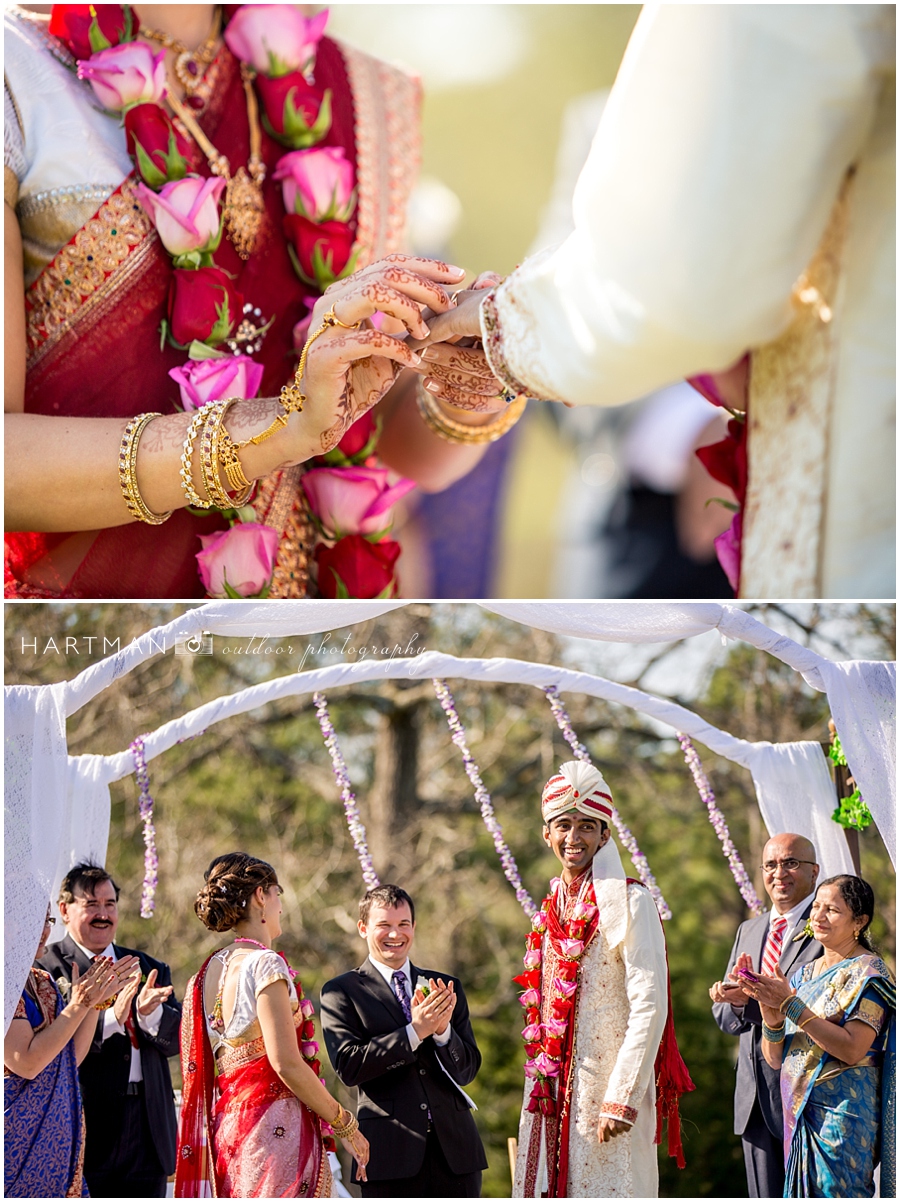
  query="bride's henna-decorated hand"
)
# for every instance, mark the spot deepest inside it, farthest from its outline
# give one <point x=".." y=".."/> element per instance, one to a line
<point x="350" y="370"/>
<point x="460" y="376"/>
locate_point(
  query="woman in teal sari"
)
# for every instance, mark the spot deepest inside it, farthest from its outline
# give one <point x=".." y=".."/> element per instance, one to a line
<point x="831" y="1032"/>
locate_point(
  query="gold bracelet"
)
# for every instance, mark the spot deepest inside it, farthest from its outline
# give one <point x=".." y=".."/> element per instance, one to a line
<point x="458" y="432"/>
<point x="345" y="1130"/>
<point x="807" y="1020"/>
<point x="228" y="455"/>
<point x="209" y="457"/>
<point x="187" y="451"/>
<point x="128" y="450"/>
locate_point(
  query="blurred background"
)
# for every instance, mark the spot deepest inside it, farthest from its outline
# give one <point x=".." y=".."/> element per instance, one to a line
<point x="263" y="782"/>
<point x="573" y="503"/>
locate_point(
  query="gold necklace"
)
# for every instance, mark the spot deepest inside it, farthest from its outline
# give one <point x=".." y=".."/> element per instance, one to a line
<point x="244" y="204"/>
<point x="190" y="65"/>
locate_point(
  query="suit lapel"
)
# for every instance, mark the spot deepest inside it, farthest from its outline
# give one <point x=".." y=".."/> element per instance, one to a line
<point x="72" y="954"/>
<point x="760" y="940"/>
<point x="792" y="950"/>
<point x="381" y="990"/>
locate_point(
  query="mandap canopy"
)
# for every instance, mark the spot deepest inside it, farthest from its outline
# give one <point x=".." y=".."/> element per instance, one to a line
<point x="58" y="806"/>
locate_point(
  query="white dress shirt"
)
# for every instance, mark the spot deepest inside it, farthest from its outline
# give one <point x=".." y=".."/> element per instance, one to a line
<point x="387" y="972"/>
<point x="111" y="1026"/>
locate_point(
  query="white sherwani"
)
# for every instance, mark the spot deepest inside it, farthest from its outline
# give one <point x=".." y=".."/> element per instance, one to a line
<point x="713" y="181"/>
<point x="619" y="1019"/>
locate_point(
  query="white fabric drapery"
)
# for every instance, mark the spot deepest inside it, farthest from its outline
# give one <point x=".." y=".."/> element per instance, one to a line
<point x="58" y="806"/>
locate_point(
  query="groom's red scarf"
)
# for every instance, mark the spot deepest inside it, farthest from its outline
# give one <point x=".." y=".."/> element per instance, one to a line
<point x="107" y="362"/>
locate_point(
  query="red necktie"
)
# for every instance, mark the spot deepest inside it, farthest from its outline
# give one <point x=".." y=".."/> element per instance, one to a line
<point x="772" y="953"/>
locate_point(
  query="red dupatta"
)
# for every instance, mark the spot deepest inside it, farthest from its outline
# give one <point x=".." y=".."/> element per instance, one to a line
<point x="93" y="316"/>
<point x="194" y="1169"/>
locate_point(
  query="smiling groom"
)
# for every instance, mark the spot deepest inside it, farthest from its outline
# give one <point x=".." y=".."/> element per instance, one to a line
<point x="409" y="1050"/>
<point x="600" y="1041"/>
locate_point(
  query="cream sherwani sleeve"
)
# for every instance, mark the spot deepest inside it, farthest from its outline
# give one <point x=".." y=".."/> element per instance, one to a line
<point x="709" y="184"/>
<point x="644" y="955"/>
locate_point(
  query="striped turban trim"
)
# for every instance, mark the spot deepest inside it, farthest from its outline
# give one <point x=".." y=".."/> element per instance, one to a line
<point x="577" y="786"/>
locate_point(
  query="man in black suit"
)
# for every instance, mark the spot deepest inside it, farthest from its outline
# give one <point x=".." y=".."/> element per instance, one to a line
<point x="410" y="1051"/>
<point x="789" y="876"/>
<point x="129" y="1107"/>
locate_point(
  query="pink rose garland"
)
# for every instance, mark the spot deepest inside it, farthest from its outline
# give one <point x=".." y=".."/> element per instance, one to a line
<point x="341" y="775"/>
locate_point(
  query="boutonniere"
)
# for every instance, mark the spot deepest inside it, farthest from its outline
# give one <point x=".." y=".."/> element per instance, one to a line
<point x="64" y="985"/>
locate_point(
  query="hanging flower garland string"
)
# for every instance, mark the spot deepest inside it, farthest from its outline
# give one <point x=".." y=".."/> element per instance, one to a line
<point x="145" y="805"/>
<point x="339" y="767"/>
<point x="507" y="859"/>
<point x="628" y="840"/>
<point x="720" y="826"/>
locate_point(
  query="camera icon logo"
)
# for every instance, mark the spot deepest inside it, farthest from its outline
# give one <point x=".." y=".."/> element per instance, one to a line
<point x="197" y="644"/>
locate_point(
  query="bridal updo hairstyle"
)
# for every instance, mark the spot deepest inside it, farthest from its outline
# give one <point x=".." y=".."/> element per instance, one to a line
<point x="231" y="880"/>
<point x="860" y="899"/>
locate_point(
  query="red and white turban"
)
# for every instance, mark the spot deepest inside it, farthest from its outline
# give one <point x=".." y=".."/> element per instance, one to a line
<point x="577" y="786"/>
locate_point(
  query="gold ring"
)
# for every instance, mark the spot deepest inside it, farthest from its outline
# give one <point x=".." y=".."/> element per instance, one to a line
<point x="454" y="295"/>
<point x="331" y="319"/>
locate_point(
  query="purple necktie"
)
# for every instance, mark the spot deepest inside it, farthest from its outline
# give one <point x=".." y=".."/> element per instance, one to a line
<point x="398" y="981"/>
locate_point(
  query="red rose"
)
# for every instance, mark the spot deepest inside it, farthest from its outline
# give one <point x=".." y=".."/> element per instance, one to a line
<point x="576" y="928"/>
<point x="358" y="436"/>
<point x="531" y="979"/>
<point x="296" y="113"/>
<point x="354" y="567"/>
<point x="203" y="305"/>
<point x="71" y="23"/>
<point x="321" y="250"/>
<point x="567" y="970"/>
<point x="532" y="1015"/>
<point x="561" y="1007"/>
<point x="533" y="939"/>
<point x="726" y="461"/>
<point x="160" y="151"/>
<point x="532" y="1049"/>
<point x="308" y="1030"/>
<point x="553" y="1045"/>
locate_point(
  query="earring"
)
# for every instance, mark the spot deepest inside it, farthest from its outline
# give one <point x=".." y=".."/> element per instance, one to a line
<point x="263" y="918"/>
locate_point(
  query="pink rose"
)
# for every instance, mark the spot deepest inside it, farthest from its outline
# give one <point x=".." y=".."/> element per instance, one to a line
<point x="238" y="562"/>
<point x="353" y="500"/>
<point x="309" y="1048"/>
<point x="127" y="74"/>
<point x="545" y="1066"/>
<point x="531" y="1068"/>
<point x="307" y="1009"/>
<point x="275" y="38"/>
<point x="533" y="958"/>
<point x="571" y="947"/>
<point x="555" y="1026"/>
<point x="317" y="183"/>
<point x="185" y="213"/>
<point x="584" y="911"/>
<point x="728" y="550"/>
<point x="208" y="380"/>
<point x="531" y="997"/>
<point x="539" y="921"/>
<point x="532" y="1032"/>
<point x="564" y="988"/>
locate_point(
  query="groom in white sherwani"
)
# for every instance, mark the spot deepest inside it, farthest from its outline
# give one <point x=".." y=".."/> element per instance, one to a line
<point x="598" y="1036"/>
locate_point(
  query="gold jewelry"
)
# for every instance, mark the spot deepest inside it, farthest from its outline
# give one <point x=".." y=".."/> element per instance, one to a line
<point x="457" y="432"/>
<point x="807" y="1020"/>
<point x="210" y="441"/>
<point x="345" y="1130"/>
<point x="228" y="457"/>
<point x="292" y="397"/>
<point x="128" y="450"/>
<point x="199" y="59"/>
<point x="187" y="450"/>
<point x="244" y="206"/>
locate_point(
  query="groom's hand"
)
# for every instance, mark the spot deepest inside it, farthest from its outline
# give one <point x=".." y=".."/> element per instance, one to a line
<point x="608" y="1129"/>
<point x="431" y="1014"/>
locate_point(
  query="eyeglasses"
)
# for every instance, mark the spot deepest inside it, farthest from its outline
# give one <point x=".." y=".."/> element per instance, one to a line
<point x="789" y="865"/>
<point x="49" y="921"/>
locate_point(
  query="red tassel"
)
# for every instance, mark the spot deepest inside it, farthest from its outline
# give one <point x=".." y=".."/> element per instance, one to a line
<point x="672" y="1080"/>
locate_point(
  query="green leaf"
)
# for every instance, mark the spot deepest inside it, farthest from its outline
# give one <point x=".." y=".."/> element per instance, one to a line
<point x="176" y="166"/>
<point x="299" y="270"/>
<point x="351" y="265"/>
<point x="852" y="812"/>
<point x="836" y="753"/>
<point x="128" y="31"/>
<point x="200" y="350"/>
<point x="222" y="328"/>
<point x="191" y="259"/>
<point x="729" y="505"/>
<point x="386" y="593"/>
<point x="96" y="37"/>
<point x="150" y="173"/>
<point x="230" y="592"/>
<point x="342" y="593"/>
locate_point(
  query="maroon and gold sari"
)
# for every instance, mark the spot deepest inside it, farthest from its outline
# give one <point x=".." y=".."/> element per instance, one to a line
<point x="94" y="313"/>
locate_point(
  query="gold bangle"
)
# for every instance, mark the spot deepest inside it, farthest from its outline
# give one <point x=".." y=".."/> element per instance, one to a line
<point x="128" y="450"/>
<point x="187" y="451"/>
<point x="210" y="441"/>
<point x="457" y="432"/>
<point x="807" y="1020"/>
<point x="228" y="455"/>
<point x="345" y="1130"/>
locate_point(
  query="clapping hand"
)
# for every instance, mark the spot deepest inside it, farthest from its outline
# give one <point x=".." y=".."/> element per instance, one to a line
<point x="97" y="985"/>
<point x="152" y="995"/>
<point x="431" y="1014"/>
<point x="727" y="991"/>
<point x="769" y="992"/>
<point x="128" y="970"/>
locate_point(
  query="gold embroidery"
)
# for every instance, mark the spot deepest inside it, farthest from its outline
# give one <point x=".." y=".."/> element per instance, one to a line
<point x="281" y="503"/>
<point x="386" y="104"/>
<point x="106" y="248"/>
<point x="790" y="414"/>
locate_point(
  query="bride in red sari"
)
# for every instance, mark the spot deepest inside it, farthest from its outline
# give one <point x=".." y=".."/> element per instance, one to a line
<point x="255" y="1117"/>
<point x="83" y="355"/>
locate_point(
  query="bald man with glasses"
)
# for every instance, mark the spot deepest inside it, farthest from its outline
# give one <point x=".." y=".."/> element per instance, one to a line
<point x="789" y="870"/>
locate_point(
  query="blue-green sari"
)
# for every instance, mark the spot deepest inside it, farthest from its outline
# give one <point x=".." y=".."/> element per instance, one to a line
<point x="837" y="1116"/>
